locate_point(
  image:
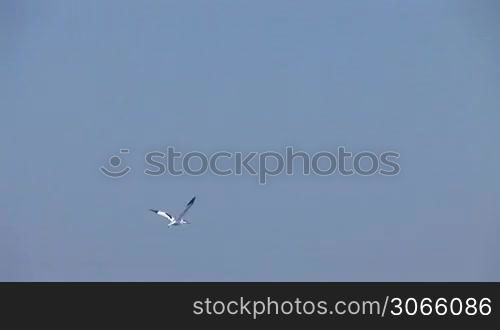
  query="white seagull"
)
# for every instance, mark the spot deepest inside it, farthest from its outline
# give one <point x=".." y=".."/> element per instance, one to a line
<point x="176" y="221"/>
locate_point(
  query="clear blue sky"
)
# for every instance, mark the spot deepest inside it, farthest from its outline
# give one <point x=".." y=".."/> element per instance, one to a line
<point x="81" y="79"/>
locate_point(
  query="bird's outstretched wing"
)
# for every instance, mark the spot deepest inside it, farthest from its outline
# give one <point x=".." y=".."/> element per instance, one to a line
<point x="188" y="206"/>
<point x="167" y="215"/>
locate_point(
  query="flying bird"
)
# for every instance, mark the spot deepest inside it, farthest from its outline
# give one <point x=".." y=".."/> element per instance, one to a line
<point x="179" y="220"/>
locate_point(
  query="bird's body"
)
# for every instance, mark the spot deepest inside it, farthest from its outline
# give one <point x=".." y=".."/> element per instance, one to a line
<point x="179" y="220"/>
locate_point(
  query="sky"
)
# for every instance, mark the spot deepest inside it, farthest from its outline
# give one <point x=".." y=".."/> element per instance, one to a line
<point x="80" y="80"/>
